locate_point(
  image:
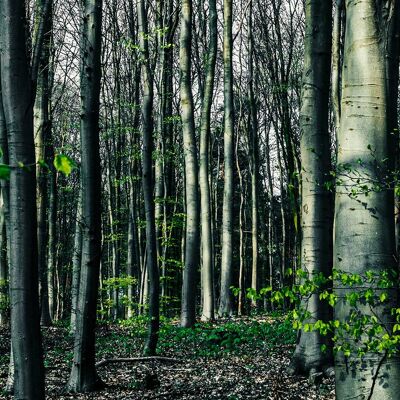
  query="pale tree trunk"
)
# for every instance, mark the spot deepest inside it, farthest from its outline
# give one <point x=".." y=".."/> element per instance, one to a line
<point x="192" y="245"/>
<point x="83" y="377"/>
<point x="52" y="250"/>
<point x="148" y="184"/>
<point x="17" y="97"/>
<point x="317" y="204"/>
<point x="207" y="258"/>
<point x="42" y="128"/>
<point x="254" y="164"/>
<point x="226" y="302"/>
<point x="76" y="265"/>
<point x="364" y="224"/>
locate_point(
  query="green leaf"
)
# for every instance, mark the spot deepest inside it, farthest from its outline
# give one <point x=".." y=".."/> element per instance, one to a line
<point x="64" y="164"/>
<point x="5" y="171"/>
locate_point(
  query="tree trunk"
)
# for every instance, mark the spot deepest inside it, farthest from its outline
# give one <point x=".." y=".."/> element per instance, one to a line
<point x="207" y="257"/>
<point x="18" y="98"/>
<point x="192" y="245"/>
<point x="226" y="303"/>
<point x="364" y="223"/>
<point x="317" y="205"/>
<point x="83" y="376"/>
<point x="76" y="266"/>
<point x="148" y="184"/>
<point x="42" y="128"/>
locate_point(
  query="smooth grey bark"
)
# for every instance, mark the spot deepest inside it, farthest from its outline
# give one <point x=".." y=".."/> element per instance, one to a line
<point x="207" y="257"/>
<point x="148" y="184"/>
<point x="18" y="99"/>
<point x="192" y="245"/>
<point x="364" y="224"/>
<point x="76" y="266"/>
<point x="254" y="162"/>
<point x="226" y="301"/>
<point x="317" y="204"/>
<point x="52" y="248"/>
<point x="42" y="131"/>
<point x="83" y="377"/>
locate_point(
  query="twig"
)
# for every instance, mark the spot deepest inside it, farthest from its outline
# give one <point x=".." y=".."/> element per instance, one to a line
<point x="135" y="359"/>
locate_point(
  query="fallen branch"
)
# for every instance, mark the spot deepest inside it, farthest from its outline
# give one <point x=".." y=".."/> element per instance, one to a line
<point x="135" y="359"/>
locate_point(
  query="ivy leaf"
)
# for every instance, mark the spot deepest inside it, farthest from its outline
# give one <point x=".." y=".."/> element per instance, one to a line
<point x="64" y="164"/>
<point x="5" y="171"/>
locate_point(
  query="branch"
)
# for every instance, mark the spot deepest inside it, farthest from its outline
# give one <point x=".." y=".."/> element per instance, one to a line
<point x="135" y="359"/>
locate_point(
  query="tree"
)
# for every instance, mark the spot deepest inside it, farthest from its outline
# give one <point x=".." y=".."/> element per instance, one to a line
<point x="364" y="223"/>
<point x="192" y="245"/>
<point x="207" y="258"/>
<point x="83" y="377"/>
<point x="226" y="303"/>
<point x="17" y="95"/>
<point x="148" y="183"/>
<point x="317" y="216"/>
<point x="42" y="126"/>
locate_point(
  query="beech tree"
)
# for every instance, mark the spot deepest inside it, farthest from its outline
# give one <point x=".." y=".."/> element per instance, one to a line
<point x="364" y="223"/>
<point x="83" y="377"/>
<point x="226" y="305"/>
<point x="17" y="95"/>
<point x="316" y="217"/>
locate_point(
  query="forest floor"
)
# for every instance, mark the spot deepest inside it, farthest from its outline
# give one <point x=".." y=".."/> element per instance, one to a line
<point x="237" y="359"/>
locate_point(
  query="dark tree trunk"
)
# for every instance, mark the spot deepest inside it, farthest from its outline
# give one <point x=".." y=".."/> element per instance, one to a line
<point x="18" y="100"/>
<point x="83" y="376"/>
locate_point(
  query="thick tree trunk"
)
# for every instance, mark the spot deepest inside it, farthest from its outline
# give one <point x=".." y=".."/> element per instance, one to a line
<point x="207" y="257"/>
<point x="226" y="302"/>
<point x="18" y="99"/>
<point x="317" y="205"/>
<point x="192" y="245"/>
<point x="83" y="376"/>
<point x="148" y="184"/>
<point x="364" y="223"/>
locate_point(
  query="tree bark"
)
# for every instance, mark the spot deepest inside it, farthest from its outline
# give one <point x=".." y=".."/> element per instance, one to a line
<point x="192" y="245"/>
<point x="226" y="302"/>
<point x="42" y="128"/>
<point x="83" y="377"/>
<point x="364" y="223"/>
<point x="18" y="98"/>
<point x="207" y="256"/>
<point x="148" y="184"/>
<point x="317" y="205"/>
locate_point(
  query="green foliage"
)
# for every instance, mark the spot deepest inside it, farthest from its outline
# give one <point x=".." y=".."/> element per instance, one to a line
<point x="5" y="171"/>
<point x="64" y="164"/>
<point x="362" y="332"/>
<point x="209" y="340"/>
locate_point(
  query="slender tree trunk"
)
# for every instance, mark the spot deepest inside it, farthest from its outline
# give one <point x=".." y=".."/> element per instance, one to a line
<point x="364" y="223"/>
<point x="188" y="316"/>
<point x="76" y="266"/>
<point x="42" y="137"/>
<point x="226" y="303"/>
<point x="207" y="256"/>
<point x="18" y="99"/>
<point x="254" y="162"/>
<point x="83" y="376"/>
<point x="52" y="250"/>
<point x="317" y="205"/>
<point x="148" y="184"/>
